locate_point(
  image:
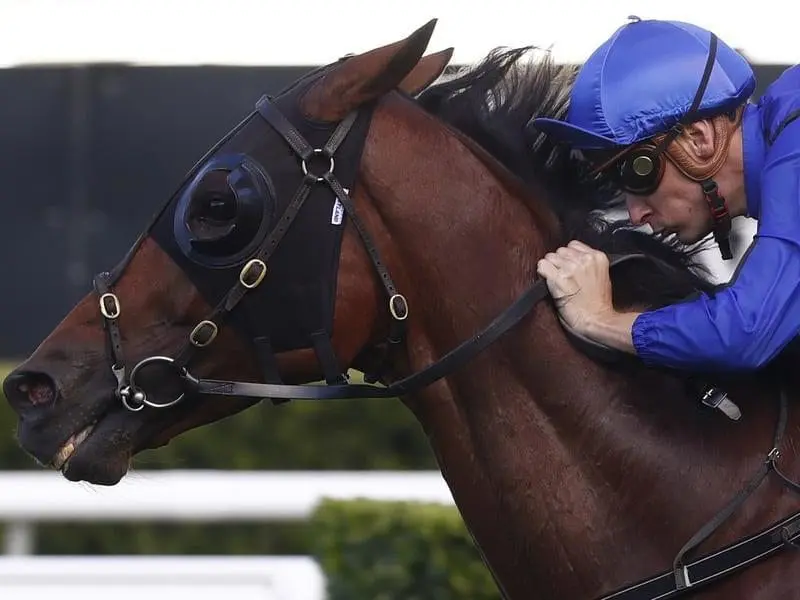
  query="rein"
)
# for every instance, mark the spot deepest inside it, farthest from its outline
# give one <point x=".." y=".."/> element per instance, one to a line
<point x="454" y="359"/>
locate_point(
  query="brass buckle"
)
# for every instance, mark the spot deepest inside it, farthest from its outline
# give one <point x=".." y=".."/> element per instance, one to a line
<point x="116" y="309"/>
<point x="243" y="275"/>
<point x="193" y="337"/>
<point x="393" y="310"/>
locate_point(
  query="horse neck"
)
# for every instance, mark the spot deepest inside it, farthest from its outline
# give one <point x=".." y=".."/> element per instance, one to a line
<point x="549" y="463"/>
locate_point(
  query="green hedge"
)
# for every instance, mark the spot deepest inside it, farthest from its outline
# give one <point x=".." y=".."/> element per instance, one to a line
<point x="398" y="551"/>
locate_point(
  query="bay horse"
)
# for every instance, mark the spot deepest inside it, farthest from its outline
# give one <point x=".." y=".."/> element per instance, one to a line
<point x="376" y="216"/>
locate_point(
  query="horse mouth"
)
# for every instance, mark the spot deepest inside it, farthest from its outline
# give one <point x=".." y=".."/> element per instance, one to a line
<point x="61" y="459"/>
<point x="100" y="452"/>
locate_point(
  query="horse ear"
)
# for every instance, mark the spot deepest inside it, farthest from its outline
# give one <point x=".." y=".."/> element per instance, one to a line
<point x="426" y="72"/>
<point x="366" y="76"/>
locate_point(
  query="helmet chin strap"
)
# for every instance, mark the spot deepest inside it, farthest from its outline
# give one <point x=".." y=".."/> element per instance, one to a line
<point x="703" y="173"/>
<point x="721" y="216"/>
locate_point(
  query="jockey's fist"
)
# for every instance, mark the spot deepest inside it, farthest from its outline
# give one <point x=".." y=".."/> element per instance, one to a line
<point x="579" y="282"/>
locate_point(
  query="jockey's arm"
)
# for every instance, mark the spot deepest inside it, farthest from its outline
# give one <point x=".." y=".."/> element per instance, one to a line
<point x="748" y="322"/>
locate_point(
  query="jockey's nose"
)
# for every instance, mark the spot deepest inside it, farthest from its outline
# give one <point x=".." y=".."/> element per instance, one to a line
<point x="27" y="390"/>
<point x="638" y="210"/>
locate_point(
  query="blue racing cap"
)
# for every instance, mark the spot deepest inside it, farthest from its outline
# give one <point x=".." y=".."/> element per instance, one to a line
<point x="643" y="80"/>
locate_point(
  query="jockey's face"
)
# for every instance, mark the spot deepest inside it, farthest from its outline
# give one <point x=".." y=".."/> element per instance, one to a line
<point x="677" y="205"/>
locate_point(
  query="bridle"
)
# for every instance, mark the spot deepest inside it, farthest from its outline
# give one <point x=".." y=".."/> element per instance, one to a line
<point x="683" y="577"/>
<point x="133" y="396"/>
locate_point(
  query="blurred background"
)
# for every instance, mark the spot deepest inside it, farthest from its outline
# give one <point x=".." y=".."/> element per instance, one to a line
<point x="104" y="106"/>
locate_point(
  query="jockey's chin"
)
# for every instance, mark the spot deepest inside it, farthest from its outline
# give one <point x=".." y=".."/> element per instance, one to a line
<point x="691" y="237"/>
<point x="694" y="236"/>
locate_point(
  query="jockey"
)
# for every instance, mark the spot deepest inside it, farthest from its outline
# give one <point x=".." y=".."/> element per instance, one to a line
<point x="662" y="109"/>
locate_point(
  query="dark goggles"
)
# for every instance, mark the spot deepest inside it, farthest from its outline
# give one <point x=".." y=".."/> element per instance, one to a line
<point x="637" y="170"/>
<point x="640" y="172"/>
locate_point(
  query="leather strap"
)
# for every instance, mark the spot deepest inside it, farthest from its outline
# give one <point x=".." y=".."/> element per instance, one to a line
<point x="685" y="577"/>
<point x="731" y="559"/>
<point x="326" y="356"/>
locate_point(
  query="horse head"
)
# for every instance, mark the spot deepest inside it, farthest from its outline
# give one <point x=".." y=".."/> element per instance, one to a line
<point x="252" y="259"/>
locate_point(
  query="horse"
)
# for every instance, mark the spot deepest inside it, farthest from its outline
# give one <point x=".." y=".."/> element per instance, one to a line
<point x="384" y="216"/>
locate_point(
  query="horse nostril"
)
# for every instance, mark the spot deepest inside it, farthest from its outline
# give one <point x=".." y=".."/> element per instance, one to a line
<point x="25" y="389"/>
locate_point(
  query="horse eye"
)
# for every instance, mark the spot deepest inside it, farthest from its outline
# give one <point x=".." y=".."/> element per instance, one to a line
<point x="216" y="209"/>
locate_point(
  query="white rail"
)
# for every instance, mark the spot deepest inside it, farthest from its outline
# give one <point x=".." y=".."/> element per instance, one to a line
<point x="161" y="578"/>
<point x="27" y="498"/>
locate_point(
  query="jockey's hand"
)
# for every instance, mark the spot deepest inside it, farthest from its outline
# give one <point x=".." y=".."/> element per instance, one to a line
<point x="579" y="282"/>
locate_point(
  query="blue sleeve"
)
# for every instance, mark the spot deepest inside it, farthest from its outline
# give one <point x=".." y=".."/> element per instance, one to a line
<point x="747" y="323"/>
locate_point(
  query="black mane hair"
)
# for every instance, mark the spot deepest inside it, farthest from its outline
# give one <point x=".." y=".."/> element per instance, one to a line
<point x="493" y="103"/>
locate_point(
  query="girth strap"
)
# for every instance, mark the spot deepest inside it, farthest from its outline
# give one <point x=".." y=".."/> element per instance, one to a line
<point x="685" y="577"/>
<point x="681" y="572"/>
<point x="727" y="561"/>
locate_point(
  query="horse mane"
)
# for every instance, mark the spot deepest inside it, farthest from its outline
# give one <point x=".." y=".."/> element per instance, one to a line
<point x="493" y="103"/>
